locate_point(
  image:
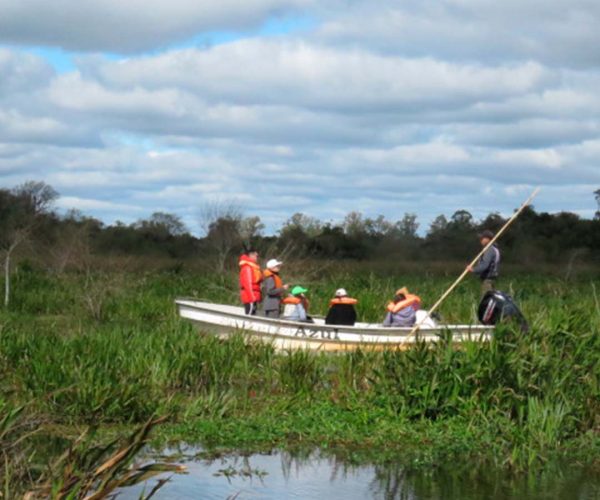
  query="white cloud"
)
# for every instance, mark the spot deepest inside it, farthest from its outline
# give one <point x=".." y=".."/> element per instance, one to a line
<point x="315" y="76"/>
<point x="21" y="73"/>
<point x="324" y="123"/>
<point x="128" y="26"/>
<point x="561" y="32"/>
<point x="87" y="204"/>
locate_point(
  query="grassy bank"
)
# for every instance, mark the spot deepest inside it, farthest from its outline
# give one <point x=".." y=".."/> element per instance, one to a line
<point x="108" y="349"/>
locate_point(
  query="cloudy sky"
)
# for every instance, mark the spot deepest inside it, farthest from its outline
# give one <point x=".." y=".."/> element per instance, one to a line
<point x="286" y="106"/>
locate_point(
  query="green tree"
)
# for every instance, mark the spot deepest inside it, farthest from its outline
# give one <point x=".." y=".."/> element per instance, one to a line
<point x="223" y="237"/>
<point x="308" y="225"/>
<point x="380" y="226"/>
<point x="355" y="225"/>
<point x="71" y="245"/>
<point x="250" y="229"/>
<point x="164" y="223"/>
<point x="461" y="220"/>
<point x="20" y="210"/>
<point x="408" y="226"/>
<point x="438" y="226"/>
<point x="222" y="223"/>
<point x="297" y="234"/>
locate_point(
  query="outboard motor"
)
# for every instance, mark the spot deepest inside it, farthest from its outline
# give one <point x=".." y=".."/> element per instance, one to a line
<point x="496" y="306"/>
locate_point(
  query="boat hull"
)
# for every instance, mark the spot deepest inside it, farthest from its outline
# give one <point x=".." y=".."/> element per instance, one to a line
<point x="224" y="321"/>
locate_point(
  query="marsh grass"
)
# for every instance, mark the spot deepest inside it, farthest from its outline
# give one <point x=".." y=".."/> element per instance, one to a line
<point x="85" y="469"/>
<point x="518" y="400"/>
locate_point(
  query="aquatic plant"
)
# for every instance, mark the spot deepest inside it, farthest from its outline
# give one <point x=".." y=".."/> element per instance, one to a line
<point x="517" y="400"/>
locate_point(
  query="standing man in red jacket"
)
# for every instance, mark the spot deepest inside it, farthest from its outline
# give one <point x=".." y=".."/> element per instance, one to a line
<point x="250" y="281"/>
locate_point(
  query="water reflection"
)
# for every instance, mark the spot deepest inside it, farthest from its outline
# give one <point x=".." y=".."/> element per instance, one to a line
<point x="478" y="482"/>
<point x="316" y="474"/>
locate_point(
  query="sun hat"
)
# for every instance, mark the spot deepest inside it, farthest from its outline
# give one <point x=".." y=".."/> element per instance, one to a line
<point x="402" y="291"/>
<point x="297" y="290"/>
<point x="341" y="292"/>
<point x="273" y="263"/>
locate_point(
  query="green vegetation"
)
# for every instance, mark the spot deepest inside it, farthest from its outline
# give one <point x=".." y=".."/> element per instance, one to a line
<point x="107" y="349"/>
<point x="84" y="470"/>
<point x="29" y="227"/>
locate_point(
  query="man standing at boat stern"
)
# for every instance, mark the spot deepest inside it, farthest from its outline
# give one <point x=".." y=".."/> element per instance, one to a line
<point x="488" y="266"/>
<point x="274" y="289"/>
<point x="250" y="281"/>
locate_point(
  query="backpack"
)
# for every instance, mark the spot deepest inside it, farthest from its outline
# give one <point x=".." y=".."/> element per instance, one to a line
<point x="497" y="306"/>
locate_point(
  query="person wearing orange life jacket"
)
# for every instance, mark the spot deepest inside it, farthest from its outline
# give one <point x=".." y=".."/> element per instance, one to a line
<point x="250" y="280"/>
<point x="402" y="311"/>
<point x="341" y="309"/>
<point x="296" y="305"/>
<point x="273" y="289"/>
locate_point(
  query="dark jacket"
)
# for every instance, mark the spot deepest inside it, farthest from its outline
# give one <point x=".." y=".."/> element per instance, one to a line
<point x="489" y="264"/>
<point x="341" y="314"/>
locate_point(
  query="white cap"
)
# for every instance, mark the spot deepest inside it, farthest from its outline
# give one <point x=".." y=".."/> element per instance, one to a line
<point x="341" y="292"/>
<point x="273" y="263"/>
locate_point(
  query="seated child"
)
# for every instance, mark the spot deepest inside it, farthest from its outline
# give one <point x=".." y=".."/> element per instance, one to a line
<point x="296" y="305"/>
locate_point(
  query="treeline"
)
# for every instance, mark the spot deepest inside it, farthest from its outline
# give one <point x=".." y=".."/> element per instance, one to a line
<point x="29" y="223"/>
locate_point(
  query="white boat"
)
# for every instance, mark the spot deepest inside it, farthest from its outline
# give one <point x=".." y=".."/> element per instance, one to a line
<point x="225" y="320"/>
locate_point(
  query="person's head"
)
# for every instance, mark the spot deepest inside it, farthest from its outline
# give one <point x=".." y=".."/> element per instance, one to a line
<point x="252" y="254"/>
<point x="485" y="237"/>
<point x="341" y="292"/>
<point x="400" y="294"/>
<point x="299" y="291"/>
<point x="274" y="265"/>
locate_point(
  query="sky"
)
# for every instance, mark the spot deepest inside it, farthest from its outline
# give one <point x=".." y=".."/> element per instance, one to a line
<point x="284" y="106"/>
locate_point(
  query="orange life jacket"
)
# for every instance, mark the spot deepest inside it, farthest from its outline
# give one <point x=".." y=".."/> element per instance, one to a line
<point x="268" y="273"/>
<point x="343" y="300"/>
<point x="256" y="272"/>
<point x="290" y="299"/>
<point x="410" y="300"/>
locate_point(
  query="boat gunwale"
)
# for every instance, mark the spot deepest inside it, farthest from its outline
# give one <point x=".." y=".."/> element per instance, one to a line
<point x="431" y="337"/>
<point x="376" y="331"/>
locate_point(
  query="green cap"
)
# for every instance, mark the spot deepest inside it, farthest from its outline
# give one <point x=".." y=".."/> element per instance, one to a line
<point x="297" y="290"/>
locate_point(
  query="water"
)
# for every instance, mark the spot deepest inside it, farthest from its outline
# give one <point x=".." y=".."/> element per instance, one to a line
<point x="280" y="475"/>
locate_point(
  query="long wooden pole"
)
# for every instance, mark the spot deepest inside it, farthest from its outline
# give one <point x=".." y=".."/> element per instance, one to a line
<point x="476" y="259"/>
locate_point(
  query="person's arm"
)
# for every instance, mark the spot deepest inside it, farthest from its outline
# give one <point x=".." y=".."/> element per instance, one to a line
<point x="270" y="289"/>
<point x="353" y="315"/>
<point x="301" y="312"/>
<point x="331" y="317"/>
<point x="247" y="279"/>
<point x="485" y="262"/>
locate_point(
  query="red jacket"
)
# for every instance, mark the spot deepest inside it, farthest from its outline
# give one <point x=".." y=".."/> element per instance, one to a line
<point x="250" y="280"/>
